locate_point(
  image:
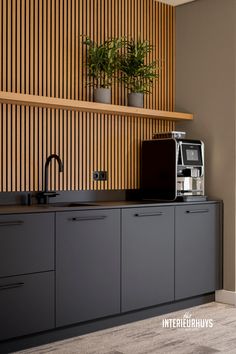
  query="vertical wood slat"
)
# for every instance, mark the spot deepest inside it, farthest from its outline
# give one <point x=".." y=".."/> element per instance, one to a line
<point x="9" y="88"/>
<point x="23" y="109"/>
<point x="1" y="106"/>
<point x="1" y="51"/>
<point x="34" y="47"/>
<point x="30" y="89"/>
<point x="60" y="82"/>
<point x="41" y="52"/>
<point x="27" y="111"/>
<point x="4" y="86"/>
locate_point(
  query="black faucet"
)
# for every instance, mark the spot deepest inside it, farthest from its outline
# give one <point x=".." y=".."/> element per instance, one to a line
<point x="44" y="196"/>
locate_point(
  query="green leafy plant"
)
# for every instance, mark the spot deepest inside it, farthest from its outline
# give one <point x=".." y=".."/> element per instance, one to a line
<point x="137" y="74"/>
<point x="102" y="61"/>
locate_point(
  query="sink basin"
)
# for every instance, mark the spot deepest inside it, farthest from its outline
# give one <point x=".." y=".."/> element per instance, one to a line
<point x="72" y="205"/>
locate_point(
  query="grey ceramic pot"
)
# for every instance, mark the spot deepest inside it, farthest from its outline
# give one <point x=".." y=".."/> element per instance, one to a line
<point x="102" y="95"/>
<point x="136" y="99"/>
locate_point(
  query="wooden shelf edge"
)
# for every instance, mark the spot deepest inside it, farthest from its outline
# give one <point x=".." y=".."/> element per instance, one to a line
<point x="86" y="106"/>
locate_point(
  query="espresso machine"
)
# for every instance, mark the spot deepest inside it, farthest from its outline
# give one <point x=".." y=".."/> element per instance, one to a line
<point x="172" y="169"/>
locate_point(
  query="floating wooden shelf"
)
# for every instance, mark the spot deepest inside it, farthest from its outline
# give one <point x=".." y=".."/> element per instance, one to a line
<point x="86" y="106"/>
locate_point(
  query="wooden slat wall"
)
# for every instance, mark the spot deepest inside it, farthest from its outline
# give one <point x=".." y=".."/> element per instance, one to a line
<point x="41" y="53"/>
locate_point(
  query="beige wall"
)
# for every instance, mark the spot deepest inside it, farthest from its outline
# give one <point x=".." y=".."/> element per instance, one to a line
<point x="205" y="85"/>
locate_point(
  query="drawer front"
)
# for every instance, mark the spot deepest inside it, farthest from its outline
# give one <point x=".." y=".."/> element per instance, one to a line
<point x="26" y="243"/>
<point x="87" y="265"/>
<point x="26" y="304"/>
<point x="197" y="250"/>
<point x="147" y="257"/>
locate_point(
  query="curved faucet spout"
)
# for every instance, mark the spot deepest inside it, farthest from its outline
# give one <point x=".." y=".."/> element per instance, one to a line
<point x="49" y="159"/>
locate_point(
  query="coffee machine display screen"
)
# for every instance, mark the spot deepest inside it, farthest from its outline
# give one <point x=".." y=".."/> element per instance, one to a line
<point x="192" y="154"/>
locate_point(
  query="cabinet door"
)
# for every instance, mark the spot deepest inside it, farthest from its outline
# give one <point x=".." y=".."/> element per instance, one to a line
<point x="26" y="304"/>
<point x="26" y="243"/>
<point x="87" y="265"/>
<point x="147" y="257"/>
<point x="196" y="249"/>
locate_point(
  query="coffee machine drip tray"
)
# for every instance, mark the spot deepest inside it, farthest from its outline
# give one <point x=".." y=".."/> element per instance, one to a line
<point x="192" y="198"/>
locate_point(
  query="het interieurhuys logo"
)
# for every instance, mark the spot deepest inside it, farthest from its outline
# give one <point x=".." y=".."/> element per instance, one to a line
<point x="187" y="322"/>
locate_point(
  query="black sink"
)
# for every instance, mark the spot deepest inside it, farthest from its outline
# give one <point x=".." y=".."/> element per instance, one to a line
<point x="72" y="204"/>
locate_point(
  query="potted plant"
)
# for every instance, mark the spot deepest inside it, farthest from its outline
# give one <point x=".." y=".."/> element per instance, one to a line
<point x="101" y="63"/>
<point x="137" y="74"/>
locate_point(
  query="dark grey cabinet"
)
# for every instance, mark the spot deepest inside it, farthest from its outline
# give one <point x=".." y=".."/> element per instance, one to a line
<point x="87" y="265"/>
<point x="197" y="249"/>
<point x="26" y="304"/>
<point x="104" y="262"/>
<point x="26" y="243"/>
<point x="147" y="257"/>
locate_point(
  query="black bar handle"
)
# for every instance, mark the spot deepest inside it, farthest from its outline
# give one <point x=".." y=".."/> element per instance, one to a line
<point x="11" y="223"/>
<point x="197" y="211"/>
<point x="88" y="218"/>
<point x="11" y="286"/>
<point x="148" y="214"/>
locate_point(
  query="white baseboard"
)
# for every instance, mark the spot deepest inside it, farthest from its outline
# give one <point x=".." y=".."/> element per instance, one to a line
<point x="226" y="297"/>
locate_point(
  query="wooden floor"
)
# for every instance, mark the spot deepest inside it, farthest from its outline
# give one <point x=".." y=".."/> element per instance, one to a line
<point x="149" y="337"/>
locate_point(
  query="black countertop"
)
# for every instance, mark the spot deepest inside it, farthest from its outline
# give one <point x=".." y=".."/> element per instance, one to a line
<point x="60" y="207"/>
